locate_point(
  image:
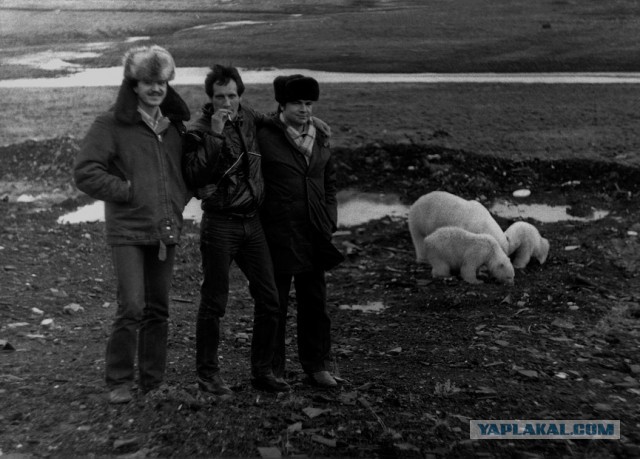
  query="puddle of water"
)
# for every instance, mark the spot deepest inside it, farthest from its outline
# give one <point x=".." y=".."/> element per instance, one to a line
<point x="542" y="212"/>
<point x="24" y="192"/>
<point x="42" y="198"/>
<point x="372" y="306"/>
<point x="355" y="208"/>
<point x="94" y="212"/>
<point x="193" y="211"/>
<point x="90" y="213"/>
<point x="50" y="60"/>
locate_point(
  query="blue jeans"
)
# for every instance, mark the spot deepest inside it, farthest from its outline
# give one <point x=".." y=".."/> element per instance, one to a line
<point x="141" y="322"/>
<point x="224" y="239"/>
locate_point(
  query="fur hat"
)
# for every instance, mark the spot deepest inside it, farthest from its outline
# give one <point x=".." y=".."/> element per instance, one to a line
<point x="295" y="87"/>
<point x="149" y="63"/>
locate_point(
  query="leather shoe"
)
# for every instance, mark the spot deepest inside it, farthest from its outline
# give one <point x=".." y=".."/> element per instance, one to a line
<point x="269" y="383"/>
<point x="323" y="379"/>
<point x="215" y="385"/>
<point x="120" y="394"/>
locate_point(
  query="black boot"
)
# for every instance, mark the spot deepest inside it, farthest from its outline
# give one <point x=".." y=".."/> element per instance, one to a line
<point x="207" y="366"/>
<point x="269" y="383"/>
<point x="263" y="343"/>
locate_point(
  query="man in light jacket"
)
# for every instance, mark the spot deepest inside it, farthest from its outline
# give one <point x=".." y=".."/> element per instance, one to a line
<point x="131" y="158"/>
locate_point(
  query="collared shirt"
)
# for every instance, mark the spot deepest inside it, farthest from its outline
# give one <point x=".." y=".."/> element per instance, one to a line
<point x="158" y="123"/>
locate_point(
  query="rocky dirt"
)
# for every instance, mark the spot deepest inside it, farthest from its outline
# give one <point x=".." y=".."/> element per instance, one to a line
<point x="559" y="344"/>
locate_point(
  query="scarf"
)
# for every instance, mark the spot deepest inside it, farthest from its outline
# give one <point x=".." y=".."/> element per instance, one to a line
<point x="304" y="140"/>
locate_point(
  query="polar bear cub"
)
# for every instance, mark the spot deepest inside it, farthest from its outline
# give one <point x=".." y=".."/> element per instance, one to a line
<point x="525" y="242"/>
<point x="451" y="249"/>
<point x="440" y="208"/>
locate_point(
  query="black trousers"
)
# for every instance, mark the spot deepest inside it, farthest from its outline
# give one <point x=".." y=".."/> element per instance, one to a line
<point x="314" y="323"/>
<point x="225" y="239"/>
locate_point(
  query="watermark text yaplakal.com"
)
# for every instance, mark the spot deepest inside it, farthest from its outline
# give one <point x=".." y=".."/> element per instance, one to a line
<point x="544" y="429"/>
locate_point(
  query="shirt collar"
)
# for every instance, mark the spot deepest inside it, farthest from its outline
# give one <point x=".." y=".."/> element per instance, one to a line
<point x="150" y="120"/>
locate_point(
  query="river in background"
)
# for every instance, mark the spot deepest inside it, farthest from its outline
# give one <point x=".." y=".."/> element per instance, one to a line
<point x="112" y="76"/>
<point x="355" y="208"/>
<point x="83" y="76"/>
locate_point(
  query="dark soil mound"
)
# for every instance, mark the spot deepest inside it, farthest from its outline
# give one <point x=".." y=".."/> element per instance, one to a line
<point x="414" y="170"/>
<point x="49" y="160"/>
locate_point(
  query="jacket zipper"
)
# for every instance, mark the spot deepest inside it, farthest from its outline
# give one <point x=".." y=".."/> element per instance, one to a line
<point x="165" y="192"/>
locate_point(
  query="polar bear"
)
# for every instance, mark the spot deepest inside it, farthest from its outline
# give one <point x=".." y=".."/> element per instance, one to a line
<point x="525" y="242"/>
<point x="451" y="249"/>
<point x="440" y="208"/>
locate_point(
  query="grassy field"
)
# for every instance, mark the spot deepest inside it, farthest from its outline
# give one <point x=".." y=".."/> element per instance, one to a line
<point x="364" y="36"/>
<point x="357" y="35"/>
<point x="516" y="121"/>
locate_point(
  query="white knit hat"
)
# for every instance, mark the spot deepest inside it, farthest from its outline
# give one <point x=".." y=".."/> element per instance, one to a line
<point x="149" y="63"/>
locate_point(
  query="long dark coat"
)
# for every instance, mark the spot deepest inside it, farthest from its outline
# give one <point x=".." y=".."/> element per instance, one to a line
<point x="300" y="211"/>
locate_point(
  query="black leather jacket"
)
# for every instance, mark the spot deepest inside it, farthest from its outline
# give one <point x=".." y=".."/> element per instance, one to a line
<point x="224" y="170"/>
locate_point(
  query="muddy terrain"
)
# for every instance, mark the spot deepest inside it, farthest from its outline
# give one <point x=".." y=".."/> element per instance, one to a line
<point x="424" y="358"/>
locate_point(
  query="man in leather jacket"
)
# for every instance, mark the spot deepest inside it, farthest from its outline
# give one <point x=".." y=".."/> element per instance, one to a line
<point x="223" y="167"/>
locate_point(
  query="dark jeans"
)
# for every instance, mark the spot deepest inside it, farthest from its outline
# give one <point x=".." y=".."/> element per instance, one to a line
<point x="314" y="324"/>
<point x="224" y="239"/>
<point x="141" y="322"/>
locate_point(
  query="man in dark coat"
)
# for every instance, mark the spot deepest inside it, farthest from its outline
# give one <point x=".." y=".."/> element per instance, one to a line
<point x="299" y="215"/>
<point x="131" y="158"/>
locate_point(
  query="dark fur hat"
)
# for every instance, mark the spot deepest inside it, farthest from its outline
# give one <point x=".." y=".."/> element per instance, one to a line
<point x="295" y="87"/>
<point x="149" y="63"/>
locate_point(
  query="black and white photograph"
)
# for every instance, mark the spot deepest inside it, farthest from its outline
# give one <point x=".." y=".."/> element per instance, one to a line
<point x="319" y="229"/>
